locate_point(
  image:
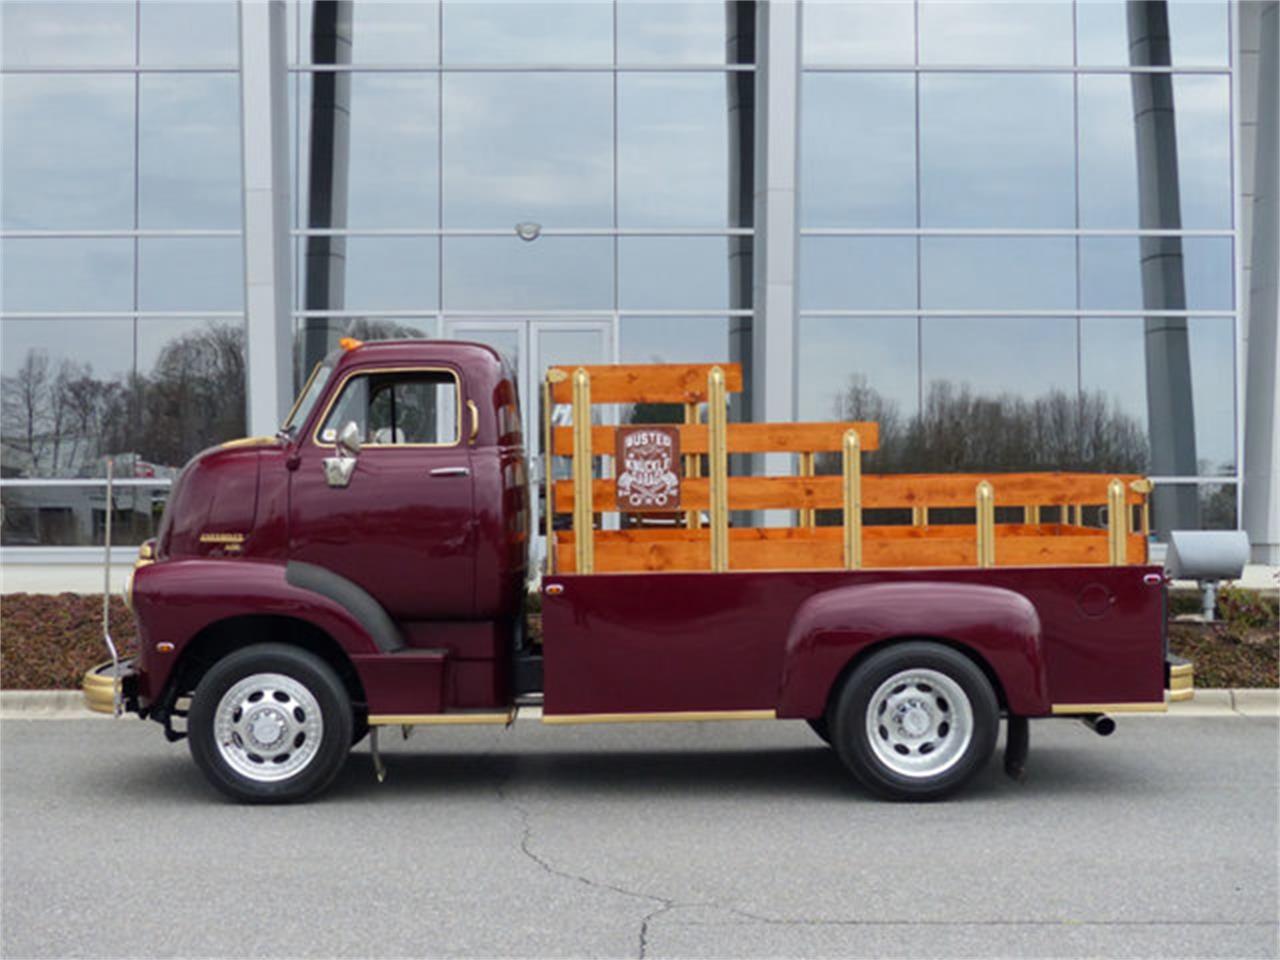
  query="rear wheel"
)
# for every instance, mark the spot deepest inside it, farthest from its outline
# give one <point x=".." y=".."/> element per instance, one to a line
<point x="915" y="721"/>
<point x="270" y="724"/>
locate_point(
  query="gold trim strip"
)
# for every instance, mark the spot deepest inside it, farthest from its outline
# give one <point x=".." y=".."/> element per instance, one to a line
<point x="439" y="719"/>
<point x="583" y="512"/>
<point x="1069" y="709"/>
<point x="692" y="462"/>
<point x="248" y="442"/>
<point x="1180" y="696"/>
<point x="1117" y="523"/>
<point x="676" y="716"/>
<point x="986" y="524"/>
<point x="719" y="468"/>
<point x="852" y="454"/>
<point x="548" y="484"/>
<point x="222" y="538"/>
<point x="1183" y="670"/>
<point x="807" y="516"/>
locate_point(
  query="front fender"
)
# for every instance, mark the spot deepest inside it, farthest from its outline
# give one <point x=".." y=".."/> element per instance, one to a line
<point x="999" y="626"/>
<point x="174" y="600"/>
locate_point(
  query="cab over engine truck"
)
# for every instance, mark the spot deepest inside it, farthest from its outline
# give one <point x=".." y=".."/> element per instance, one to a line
<point x="367" y="567"/>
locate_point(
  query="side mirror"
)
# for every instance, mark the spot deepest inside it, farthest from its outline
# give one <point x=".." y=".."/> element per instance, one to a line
<point x="349" y="439"/>
<point x="338" y="469"/>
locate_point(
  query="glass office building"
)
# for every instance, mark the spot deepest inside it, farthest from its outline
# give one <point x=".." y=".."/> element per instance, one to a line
<point x="1017" y="235"/>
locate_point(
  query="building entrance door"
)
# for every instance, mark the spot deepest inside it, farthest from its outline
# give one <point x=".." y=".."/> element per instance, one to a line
<point x="532" y="346"/>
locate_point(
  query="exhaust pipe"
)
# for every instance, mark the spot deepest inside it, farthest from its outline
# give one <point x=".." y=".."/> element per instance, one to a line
<point x="1099" y="723"/>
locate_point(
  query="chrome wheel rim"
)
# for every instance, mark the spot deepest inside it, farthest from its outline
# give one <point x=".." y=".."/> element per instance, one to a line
<point x="268" y="727"/>
<point x="919" y="723"/>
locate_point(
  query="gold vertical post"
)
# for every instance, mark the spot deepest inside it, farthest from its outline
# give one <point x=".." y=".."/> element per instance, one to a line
<point x="986" y="503"/>
<point x="1075" y="514"/>
<point x="852" y="452"/>
<point x="1062" y="514"/>
<point x="1117" y="523"/>
<point x="692" y="461"/>
<point x="807" y="514"/>
<point x="548" y="483"/>
<point x="583" y="514"/>
<point x="919" y="516"/>
<point x="1030" y="515"/>
<point x="719" y="466"/>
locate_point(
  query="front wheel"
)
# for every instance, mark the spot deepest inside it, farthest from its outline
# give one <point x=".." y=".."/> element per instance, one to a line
<point x="270" y="724"/>
<point x="915" y="721"/>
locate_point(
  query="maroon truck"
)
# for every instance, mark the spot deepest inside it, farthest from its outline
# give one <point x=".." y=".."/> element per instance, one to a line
<point x="367" y="567"/>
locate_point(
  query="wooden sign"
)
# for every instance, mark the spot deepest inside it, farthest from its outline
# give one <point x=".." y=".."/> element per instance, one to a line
<point x="648" y="460"/>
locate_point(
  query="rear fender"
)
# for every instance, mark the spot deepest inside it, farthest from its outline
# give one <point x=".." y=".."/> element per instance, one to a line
<point x="999" y="627"/>
<point x="175" y="600"/>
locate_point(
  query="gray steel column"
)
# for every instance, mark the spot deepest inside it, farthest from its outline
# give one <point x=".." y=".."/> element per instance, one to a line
<point x="773" y="389"/>
<point x="1170" y="413"/>
<point x="328" y="162"/>
<point x="1261" y="510"/>
<point x="740" y="21"/>
<point x="264" y="151"/>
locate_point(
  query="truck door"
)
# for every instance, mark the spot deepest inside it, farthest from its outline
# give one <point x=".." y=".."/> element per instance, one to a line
<point x="402" y="525"/>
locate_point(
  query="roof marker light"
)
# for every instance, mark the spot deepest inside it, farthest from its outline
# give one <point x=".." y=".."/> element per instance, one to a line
<point x="350" y="343"/>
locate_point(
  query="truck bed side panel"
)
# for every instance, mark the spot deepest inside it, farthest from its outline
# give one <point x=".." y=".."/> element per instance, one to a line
<point x="627" y="643"/>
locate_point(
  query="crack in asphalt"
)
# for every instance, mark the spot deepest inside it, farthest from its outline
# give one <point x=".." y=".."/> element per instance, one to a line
<point x="662" y="904"/>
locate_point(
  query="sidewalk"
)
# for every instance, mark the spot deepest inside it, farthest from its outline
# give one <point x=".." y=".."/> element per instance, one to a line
<point x="69" y="705"/>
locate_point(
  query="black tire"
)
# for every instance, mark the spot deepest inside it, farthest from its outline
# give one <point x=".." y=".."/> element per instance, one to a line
<point x="819" y="726"/>
<point x="270" y="689"/>
<point x="941" y="694"/>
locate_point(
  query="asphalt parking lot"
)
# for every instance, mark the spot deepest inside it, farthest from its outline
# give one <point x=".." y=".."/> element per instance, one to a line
<point x="692" y="840"/>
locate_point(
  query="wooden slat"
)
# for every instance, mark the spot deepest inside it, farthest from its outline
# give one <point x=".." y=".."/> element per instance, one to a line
<point x="821" y="548"/>
<point x="647" y="382"/>
<point x="743" y="437"/>
<point x="878" y="491"/>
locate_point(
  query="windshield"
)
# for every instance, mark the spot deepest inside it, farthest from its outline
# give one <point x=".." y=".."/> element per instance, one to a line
<point x="311" y="391"/>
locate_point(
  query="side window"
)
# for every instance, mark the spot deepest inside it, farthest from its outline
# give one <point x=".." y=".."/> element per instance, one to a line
<point x="396" y="408"/>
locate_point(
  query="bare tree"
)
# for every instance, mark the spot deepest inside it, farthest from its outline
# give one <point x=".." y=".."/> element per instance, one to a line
<point x="25" y="416"/>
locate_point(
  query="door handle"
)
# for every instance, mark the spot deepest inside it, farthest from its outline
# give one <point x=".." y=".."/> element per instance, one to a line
<point x="451" y="472"/>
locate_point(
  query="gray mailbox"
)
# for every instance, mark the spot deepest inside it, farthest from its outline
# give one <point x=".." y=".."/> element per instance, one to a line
<point x="1207" y="556"/>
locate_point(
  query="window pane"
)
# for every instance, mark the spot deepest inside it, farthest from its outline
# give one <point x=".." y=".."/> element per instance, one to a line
<point x="67" y="274"/>
<point x="1115" y="357"/>
<point x="675" y="339"/>
<point x="998" y="273"/>
<point x="190" y="389"/>
<point x="386" y="32"/>
<point x="678" y="160"/>
<point x="953" y="31"/>
<point x="76" y="516"/>
<point x="389" y="273"/>
<point x="997" y="150"/>
<point x="65" y="391"/>
<point x="684" y="273"/>
<point x="858" y="32"/>
<point x="397" y="408"/>
<point x="858" y="150"/>
<point x="650" y="32"/>
<point x="528" y="147"/>
<point x="553" y="273"/>
<point x="1203" y="109"/>
<point x="1110" y="172"/>
<point x="859" y="368"/>
<point x="189" y="32"/>
<point x="999" y="394"/>
<point x="1111" y="273"/>
<point x="857" y="273"/>
<point x="329" y="330"/>
<point x="191" y="274"/>
<point x="394" y="148"/>
<point x="67" y="153"/>
<point x="1198" y="32"/>
<point x="477" y="32"/>
<point x="189" y="151"/>
<point x="40" y="33"/>
<point x="1202" y="506"/>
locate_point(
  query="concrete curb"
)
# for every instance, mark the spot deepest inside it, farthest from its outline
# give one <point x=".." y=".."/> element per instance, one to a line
<point x="1244" y="702"/>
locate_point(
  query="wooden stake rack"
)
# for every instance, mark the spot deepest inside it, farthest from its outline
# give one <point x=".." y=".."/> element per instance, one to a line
<point x="1046" y="528"/>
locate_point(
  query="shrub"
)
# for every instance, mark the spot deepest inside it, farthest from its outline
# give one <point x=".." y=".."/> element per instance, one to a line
<point x="1242" y="609"/>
